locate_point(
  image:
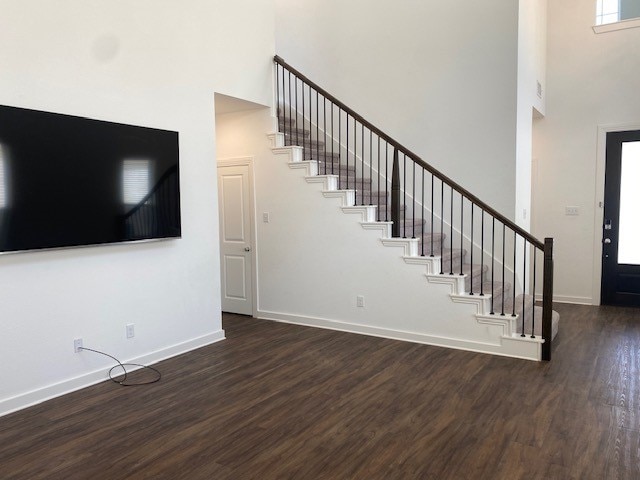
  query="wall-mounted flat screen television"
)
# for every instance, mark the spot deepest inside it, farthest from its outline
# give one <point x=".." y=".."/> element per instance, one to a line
<point x="68" y="181"/>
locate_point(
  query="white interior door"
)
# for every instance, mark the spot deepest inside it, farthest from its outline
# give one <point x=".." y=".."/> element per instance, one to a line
<point x="236" y="249"/>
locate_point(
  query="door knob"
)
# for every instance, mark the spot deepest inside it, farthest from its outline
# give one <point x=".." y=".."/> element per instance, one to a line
<point x="606" y="240"/>
<point x="247" y="249"/>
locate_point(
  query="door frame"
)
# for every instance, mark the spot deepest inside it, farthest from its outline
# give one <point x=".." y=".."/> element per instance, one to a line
<point x="601" y="163"/>
<point x="249" y="163"/>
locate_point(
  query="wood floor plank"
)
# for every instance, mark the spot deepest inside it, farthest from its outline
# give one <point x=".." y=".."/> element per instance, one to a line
<point x="278" y="401"/>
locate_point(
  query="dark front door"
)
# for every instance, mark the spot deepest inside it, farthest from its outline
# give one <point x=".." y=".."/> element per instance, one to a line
<point x="621" y="229"/>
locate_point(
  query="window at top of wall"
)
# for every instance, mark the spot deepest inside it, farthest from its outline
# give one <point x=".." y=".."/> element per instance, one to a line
<point x="607" y="11"/>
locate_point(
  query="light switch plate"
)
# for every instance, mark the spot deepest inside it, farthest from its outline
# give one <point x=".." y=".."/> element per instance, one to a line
<point x="572" y="210"/>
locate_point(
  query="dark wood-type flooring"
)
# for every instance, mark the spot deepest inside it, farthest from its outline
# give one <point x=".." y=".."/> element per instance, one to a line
<point x="277" y="401"/>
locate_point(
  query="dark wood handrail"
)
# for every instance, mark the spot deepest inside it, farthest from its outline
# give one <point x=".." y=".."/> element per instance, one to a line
<point x="416" y="158"/>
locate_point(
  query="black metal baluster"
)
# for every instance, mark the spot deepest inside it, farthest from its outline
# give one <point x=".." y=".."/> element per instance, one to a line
<point x="379" y="188"/>
<point x="347" y="148"/>
<point x="304" y="119"/>
<point x="277" y="93"/>
<point x="370" y="167"/>
<point x="302" y="130"/>
<point x="295" y="91"/>
<point x="355" y="142"/>
<point x="441" y="227"/>
<point x="386" y="181"/>
<point x="404" y="196"/>
<point x="339" y="148"/>
<point x="289" y="119"/>
<point x="493" y="262"/>
<point x="524" y="279"/>
<point x="432" y="207"/>
<point x="462" y="237"/>
<point x="395" y="195"/>
<point x="284" y="113"/>
<point x="317" y="127"/>
<point x="284" y="106"/>
<point x="324" y="130"/>
<point x="413" y="182"/>
<point x="451" y="233"/>
<point x="355" y="159"/>
<point x="471" y="247"/>
<point x="513" y="313"/>
<point x="362" y="164"/>
<point x="533" y="292"/>
<point x="482" y="251"/>
<point x="284" y="110"/>
<point x="503" y="249"/>
<point x="310" y="148"/>
<point x="333" y="136"/>
<point x="355" y="166"/>
<point x="422" y="234"/>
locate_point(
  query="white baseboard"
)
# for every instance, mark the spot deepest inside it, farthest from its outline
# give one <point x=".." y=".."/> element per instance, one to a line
<point x="416" y="337"/>
<point x="28" y="399"/>
<point x="569" y="299"/>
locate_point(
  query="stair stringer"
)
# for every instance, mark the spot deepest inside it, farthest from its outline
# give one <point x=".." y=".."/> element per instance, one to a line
<point x="426" y="319"/>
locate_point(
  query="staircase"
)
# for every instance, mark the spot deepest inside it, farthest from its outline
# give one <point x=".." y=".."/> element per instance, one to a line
<point x="486" y="259"/>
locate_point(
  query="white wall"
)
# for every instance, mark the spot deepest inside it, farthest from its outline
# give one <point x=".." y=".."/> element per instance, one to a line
<point x="439" y="77"/>
<point x="592" y="81"/>
<point x="531" y="70"/>
<point x="155" y="63"/>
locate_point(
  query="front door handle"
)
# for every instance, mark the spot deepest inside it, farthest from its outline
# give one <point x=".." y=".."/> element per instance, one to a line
<point x="247" y="249"/>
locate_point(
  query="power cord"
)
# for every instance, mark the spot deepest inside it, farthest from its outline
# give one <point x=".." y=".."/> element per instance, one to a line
<point x="123" y="382"/>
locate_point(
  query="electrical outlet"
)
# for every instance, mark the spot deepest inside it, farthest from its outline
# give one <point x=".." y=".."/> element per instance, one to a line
<point x="360" y="301"/>
<point x="77" y="345"/>
<point x="265" y="217"/>
<point x="130" y="330"/>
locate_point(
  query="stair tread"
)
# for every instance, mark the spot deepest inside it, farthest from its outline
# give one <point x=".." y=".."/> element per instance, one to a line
<point x="337" y="168"/>
<point x="310" y="154"/>
<point x="286" y="126"/>
<point x="416" y="230"/>
<point x="304" y="142"/>
<point x="537" y="327"/>
<point x="485" y="288"/>
<point x="446" y="258"/>
<point x="498" y="288"/>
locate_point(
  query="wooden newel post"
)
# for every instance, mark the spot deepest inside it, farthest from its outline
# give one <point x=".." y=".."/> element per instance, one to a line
<point x="547" y="298"/>
<point x="395" y="195"/>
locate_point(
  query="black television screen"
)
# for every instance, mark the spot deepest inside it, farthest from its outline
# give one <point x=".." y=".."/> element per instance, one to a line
<point x="69" y="181"/>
